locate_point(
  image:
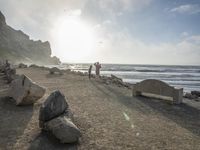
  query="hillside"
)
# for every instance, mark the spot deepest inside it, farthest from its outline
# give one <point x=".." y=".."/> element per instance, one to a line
<point x="16" y="46"/>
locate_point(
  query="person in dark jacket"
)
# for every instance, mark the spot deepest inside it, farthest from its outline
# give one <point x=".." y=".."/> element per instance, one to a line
<point x="90" y="71"/>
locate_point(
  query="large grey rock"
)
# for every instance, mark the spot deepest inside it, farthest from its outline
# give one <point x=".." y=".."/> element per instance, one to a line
<point x="196" y="93"/>
<point x="116" y="80"/>
<point x="113" y="77"/>
<point x="55" y="105"/>
<point x="190" y="96"/>
<point x="33" y="66"/>
<point x="21" y="65"/>
<point x="55" y="70"/>
<point x="63" y="129"/>
<point x="10" y="74"/>
<point x="1" y="66"/>
<point x="25" y="91"/>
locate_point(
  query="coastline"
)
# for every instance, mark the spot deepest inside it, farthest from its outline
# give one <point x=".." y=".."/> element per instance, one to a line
<point x="107" y="115"/>
<point x="187" y="77"/>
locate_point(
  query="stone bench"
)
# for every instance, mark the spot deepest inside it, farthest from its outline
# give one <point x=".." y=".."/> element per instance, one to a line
<point x="157" y="87"/>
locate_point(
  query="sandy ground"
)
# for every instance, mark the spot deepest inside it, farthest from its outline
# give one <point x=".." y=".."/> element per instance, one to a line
<point x="107" y="115"/>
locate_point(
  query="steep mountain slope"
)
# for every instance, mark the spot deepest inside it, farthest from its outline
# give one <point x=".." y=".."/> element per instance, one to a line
<point x="17" y="46"/>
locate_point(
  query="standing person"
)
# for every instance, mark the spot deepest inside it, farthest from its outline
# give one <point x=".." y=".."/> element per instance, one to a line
<point x="98" y="67"/>
<point x="90" y="71"/>
<point x="7" y="64"/>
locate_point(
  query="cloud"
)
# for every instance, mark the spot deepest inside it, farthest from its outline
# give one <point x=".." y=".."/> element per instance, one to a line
<point x="123" y="5"/>
<point x="115" y="43"/>
<point x="121" y="46"/>
<point x="100" y="10"/>
<point x="36" y="17"/>
<point x="184" y="34"/>
<point x="187" y="9"/>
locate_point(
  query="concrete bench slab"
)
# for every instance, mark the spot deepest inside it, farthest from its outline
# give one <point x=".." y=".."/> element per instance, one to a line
<point x="157" y="87"/>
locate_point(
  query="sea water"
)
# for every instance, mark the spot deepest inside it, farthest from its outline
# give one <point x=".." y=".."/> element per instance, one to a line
<point x="187" y="77"/>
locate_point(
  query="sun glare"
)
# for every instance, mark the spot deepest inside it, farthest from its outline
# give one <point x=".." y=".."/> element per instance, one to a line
<point x="73" y="38"/>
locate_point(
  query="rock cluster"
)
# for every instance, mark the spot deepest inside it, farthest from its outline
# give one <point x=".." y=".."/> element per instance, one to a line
<point x="196" y="93"/>
<point x="193" y="95"/>
<point x="10" y="74"/>
<point x="55" y="70"/>
<point x="105" y="79"/>
<point x="8" y="70"/>
<point x="115" y="80"/>
<point x="80" y="73"/>
<point x="56" y="118"/>
<point x="21" y="65"/>
<point x="39" y="67"/>
<point x="34" y="66"/>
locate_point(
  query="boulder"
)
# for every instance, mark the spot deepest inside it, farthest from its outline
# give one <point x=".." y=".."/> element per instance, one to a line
<point x="10" y="74"/>
<point x="196" y="93"/>
<point x="106" y="80"/>
<point x="54" y="106"/>
<point x="44" y="68"/>
<point x="55" y="70"/>
<point x="80" y="73"/>
<point x="127" y="85"/>
<point x="8" y="70"/>
<point x="197" y="99"/>
<point x="67" y="70"/>
<point x="116" y="80"/>
<point x="63" y="129"/>
<point x="1" y="69"/>
<point x="34" y="66"/>
<point x="113" y="77"/>
<point x="1" y="66"/>
<point x="21" y="65"/>
<point x="25" y="91"/>
<point x="190" y="96"/>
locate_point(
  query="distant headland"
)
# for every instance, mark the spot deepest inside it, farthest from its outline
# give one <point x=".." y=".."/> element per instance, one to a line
<point x="16" y="46"/>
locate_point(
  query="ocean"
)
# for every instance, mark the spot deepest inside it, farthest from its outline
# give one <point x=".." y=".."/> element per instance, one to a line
<point x="187" y="77"/>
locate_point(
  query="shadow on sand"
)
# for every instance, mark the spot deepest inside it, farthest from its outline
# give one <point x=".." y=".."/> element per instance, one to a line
<point x="55" y="75"/>
<point x="14" y="120"/>
<point x="46" y="141"/>
<point x="183" y="114"/>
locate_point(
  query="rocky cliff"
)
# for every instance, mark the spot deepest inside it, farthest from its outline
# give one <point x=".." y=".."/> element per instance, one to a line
<point x="17" y="46"/>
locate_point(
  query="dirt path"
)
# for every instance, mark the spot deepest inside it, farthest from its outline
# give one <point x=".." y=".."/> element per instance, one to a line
<point x="109" y="118"/>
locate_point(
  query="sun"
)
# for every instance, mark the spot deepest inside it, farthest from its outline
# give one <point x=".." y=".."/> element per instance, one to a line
<point x="73" y="39"/>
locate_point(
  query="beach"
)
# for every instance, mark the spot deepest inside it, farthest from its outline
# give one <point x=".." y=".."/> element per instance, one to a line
<point x="106" y="114"/>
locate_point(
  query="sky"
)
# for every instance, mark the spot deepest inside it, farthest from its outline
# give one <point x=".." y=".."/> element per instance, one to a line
<point x="112" y="31"/>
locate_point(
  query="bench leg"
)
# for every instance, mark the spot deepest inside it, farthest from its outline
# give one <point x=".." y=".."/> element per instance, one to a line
<point x="178" y="96"/>
<point x="136" y="93"/>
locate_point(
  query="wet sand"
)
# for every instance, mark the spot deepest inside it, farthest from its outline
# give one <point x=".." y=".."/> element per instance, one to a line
<point x="107" y="115"/>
